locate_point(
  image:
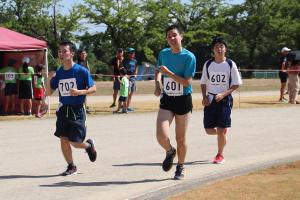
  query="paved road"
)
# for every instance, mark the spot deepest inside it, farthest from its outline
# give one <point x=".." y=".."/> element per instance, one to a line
<point x="129" y="165"/>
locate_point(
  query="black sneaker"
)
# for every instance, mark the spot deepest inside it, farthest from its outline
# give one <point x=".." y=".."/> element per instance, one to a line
<point x="112" y="105"/>
<point x="179" y="174"/>
<point x="168" y="162"/>
<point x="91" y="150"/>
<point x="72" y="169"/>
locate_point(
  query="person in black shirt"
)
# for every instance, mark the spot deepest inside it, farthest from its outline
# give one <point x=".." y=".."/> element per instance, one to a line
<point x="283" y="75"/>
<point x="116" y="63"/>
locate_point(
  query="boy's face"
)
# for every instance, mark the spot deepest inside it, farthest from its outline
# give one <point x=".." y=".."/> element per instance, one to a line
<point x="65" y="53"/>
<point x="219" y="49"/>
<point x="174" y="38"/>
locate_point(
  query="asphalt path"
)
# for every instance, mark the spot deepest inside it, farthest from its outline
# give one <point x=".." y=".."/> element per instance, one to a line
<point x="129" y="162"/>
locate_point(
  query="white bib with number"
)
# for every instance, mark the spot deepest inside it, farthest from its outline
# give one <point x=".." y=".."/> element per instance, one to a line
<point x="218" y="78"/>
<point x="172" y="88"/>
<point x="9" y="76"/>
<point x="65" y="85"/>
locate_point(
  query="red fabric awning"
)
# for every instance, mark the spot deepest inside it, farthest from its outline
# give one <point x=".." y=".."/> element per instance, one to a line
<point x="14" y="41"/>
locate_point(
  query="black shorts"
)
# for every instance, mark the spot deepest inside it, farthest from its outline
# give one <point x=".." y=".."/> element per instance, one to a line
<point x="180" y="105"/>
<point x="71" y="123"/>
<point x="10" y="89"/>
<point x="283" y="76"/>
<point x="25" y="89"/>
<point x="217" y="114"/>
<point x="122" y="99"/>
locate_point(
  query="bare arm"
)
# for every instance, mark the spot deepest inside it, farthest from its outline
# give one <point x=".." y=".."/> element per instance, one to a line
<point x="183" y="81"/>
<point x="219" y="97"/>
<point x="49" y="90"/>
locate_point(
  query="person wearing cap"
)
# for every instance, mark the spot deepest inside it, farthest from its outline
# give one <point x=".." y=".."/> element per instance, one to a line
<point x="116" y="64"/>
<point x="130" y="64"/>
<point x="220" y="77"/>
<point x="283" y="75"/>
<point x="10" y="91"/>
<point x="176" y="66"/>
<point x="26" y="73"/>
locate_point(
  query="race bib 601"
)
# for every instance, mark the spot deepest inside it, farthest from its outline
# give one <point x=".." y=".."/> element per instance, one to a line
<point x="172" y="88"/>
<point x="64" y="86"/>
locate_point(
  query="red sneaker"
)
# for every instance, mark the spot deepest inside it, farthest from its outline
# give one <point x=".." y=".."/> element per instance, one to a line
<point x="219" y="159"/>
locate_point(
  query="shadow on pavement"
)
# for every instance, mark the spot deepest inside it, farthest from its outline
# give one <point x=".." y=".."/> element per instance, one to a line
<point x="104" y="183"/>
<point x="28" y="176"/>
<point x="197" y="162"/>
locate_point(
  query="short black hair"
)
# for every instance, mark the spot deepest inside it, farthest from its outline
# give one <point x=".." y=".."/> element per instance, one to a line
<point x="70" y="44"/>
<point x="218" y="39"/>
<point x="120" y="50"/>
<point x="174" y="26"/>
<point x="39" y="67"/>
<point x="123" y="71"/>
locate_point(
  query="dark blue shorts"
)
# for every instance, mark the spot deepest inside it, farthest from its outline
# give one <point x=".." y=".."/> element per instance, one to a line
<point x="283" y="76"/>
<point x="116" y="85"/>
<point x="217" y="114"/>
<point x="71" y="123"/>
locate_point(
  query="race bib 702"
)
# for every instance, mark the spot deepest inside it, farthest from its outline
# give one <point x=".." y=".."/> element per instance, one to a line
<point x="64" y="86"/>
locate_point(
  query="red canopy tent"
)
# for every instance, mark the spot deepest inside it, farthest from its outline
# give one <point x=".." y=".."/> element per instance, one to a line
<point x="14" y="45"/>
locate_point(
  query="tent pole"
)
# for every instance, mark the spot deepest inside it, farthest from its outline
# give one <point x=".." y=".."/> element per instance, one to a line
<point x="47" y="71"/>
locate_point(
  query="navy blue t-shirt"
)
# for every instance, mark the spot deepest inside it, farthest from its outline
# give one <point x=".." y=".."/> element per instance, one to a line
<point x="77" y="77"/>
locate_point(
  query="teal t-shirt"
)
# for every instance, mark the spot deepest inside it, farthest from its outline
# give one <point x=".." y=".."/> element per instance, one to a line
<point x="27" y="76"/>
<point x="9" y="74"/>
<point x="124" y="87"/>
<point x="182" y="64"/>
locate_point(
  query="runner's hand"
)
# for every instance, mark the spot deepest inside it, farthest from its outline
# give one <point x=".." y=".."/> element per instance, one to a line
<point x="219" y="97"/>
<point x="75" y="92"/>
<point x="205" y="101"/>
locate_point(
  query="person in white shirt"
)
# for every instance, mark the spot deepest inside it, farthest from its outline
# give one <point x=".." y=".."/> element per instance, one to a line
<point x="220" y="77"/>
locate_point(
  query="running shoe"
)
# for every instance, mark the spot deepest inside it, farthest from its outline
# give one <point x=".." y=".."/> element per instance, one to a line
<point x="124" y="111"/>
<point x="179" y="173"/>
<point x="219" y="159"/>
<point x="91" y="150"/>
<point x="112" y="105"/>
<point x="130" y="109"/>
<point x="71" y="169"/>
<point x="168" y="162"/>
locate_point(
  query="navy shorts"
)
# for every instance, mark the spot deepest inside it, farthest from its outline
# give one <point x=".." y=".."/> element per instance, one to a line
<point x="132" y="84"/>
<point x="116" y="85"/>
<point x="179" y="105"/>
<point x="71" y="123"/>
<point x="10" y="89"/>
<point x="217" y="114"/>
<point x="283" y="76"/>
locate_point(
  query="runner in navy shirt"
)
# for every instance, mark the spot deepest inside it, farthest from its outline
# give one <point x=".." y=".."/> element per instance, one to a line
<point x="73" y="83"/>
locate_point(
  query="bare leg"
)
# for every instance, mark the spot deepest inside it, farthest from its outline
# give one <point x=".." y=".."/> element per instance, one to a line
<point x="115" y="95"/>
<point x="22" y="105"/>
<point x="163" y="122"/>
<point x="29" y="105"/>
<point x="211" y="131"/>
<point x="181" y="124"/>
<point x="66" y="149"/>
<point x="221" y="139"/>
<point x="7" y="100"/>
<point x="129" y="99"/>
<point x="282" y="89"/>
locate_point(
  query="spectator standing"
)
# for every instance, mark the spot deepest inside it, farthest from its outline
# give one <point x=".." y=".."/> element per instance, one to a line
<point x="38" y="89"/>
<point x="293" y="72"/>
<point x="130" y="64"/>
<point x="116" y="64"/>
<point x="219" y="79"/>
<point x="283" y="75"/>
<point x="82" y="60"/>
<point x="177" y="67"/>
<point x="10" y="90"/>
<point x="74" y="82"/>
<point x="26" y="73"/>
<point x="124" y="85"/>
